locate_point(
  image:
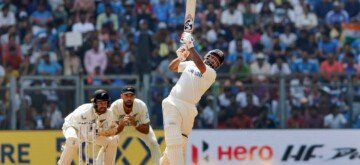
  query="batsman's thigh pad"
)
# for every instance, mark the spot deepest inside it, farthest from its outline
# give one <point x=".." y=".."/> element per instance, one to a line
<point x="187" y="111"/>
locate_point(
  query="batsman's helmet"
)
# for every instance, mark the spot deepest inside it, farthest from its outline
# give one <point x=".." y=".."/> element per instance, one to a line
<point x="209" y="58"/>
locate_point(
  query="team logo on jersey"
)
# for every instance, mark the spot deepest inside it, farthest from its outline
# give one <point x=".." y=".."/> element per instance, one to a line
<point x="189" y="23"/>
<point x="195" y="72"/>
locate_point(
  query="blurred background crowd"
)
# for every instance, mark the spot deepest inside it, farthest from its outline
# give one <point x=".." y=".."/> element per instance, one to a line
<point x="300" y="56"/>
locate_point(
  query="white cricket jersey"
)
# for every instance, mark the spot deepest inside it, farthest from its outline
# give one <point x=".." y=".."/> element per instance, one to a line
<point x="139" y="111"/>
<point x="86" y="114"/>
<point x="192" y="84"/>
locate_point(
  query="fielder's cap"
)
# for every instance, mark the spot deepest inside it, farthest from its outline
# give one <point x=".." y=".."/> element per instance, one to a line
<point x="128" y="89"/>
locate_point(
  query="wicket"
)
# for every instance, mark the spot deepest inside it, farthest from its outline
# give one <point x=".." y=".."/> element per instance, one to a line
<point x="87" y="135"/>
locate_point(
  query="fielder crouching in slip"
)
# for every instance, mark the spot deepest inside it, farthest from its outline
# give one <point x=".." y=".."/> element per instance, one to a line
<point x="179" y="108"/>
<point x="133" y="118"/>
<point x="95" y="112"/>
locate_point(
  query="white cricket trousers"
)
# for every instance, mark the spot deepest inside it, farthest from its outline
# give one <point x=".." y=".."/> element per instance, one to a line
<point x="149" y="139"/>
<point x="178" y="123"/>
<point x="72" y="143"/>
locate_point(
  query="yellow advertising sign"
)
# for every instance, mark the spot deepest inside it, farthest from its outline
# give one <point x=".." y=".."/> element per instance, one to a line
<point x="44" y="148"/>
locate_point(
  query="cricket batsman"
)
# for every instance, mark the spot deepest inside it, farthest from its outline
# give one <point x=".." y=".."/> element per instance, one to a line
<point x="97" y="112"/>
<point x="179" y="110"/>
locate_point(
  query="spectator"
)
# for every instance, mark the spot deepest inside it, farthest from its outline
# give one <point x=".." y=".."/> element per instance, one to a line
<point x="27" y="46"/>
<point x="41" y="16"/>
<point x="47" y="67"/>
<point x="242" y="42"/>
<point x="264" y="121"/>
<point x="231" y="16"/>
<point x="240" y="69"/>
<point x="208" y="113"/>
<point x="11" y="53"/>
<point x="7" y="18"/>
<point x="280" y="67"/>
<point x="297" y="87"/>
<point x="240" y="120"/>
<point x="239" y="47"/>
<point x="164" y="72"/>
<point x="72" y="63"/>
<point x="260" y="69"/>
<point x="177" y="18"/>
<point x="322" y="8"/>
<point x="145" y="44"/>
<point x="351" y="68"/>
<point x="109" y="18"/>
<point x="83" y="25"/>
<point x="337" y="15"/>
<point x="12" y="7"/>
<point x="245" y="98"/>
<point x="266" y="14"/>
<point x="211" y="14"/>
<point x="352" y="7"/>
<point x="162" y="10"/>
<point x="36" y="57"/>
<point x="313" y="119"/>
<point x="26" y="68"/>
<point x="129" y="15"/>
<point x="144" y="12"/>
<point x="84" y="5"/>
<point x="225" y="98"/>
<point x="307" y="20"/>
<point x="252" y="35"/>
<point x="95" y="58"/>
<point x="335" y="119"/>
<point x="53" y="117"/>
<point x="249" y="16"/>
<point x="330" y="67"/>
<point x="288" y="38"/>
<point x="296" y="120"/>
<point x="116" y="6"/>
<point x="305" y="65"/>
<point x="266" y="39"/>
<point x="115" y="65"/>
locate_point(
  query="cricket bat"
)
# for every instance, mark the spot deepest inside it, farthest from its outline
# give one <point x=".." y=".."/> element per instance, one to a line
<point x="190" y="16"/>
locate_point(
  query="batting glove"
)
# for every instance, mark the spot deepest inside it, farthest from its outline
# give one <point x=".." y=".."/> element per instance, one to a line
<point x="187" y="39"/>
<point x="182" y="53"/>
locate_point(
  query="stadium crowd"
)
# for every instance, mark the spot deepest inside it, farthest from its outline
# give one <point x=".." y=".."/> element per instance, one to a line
<point x="304" y="40"/>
